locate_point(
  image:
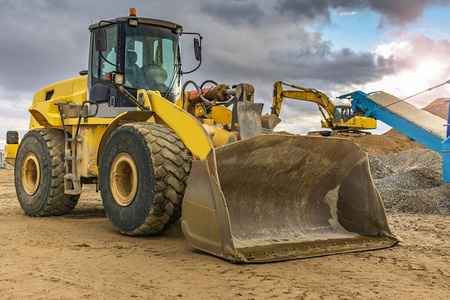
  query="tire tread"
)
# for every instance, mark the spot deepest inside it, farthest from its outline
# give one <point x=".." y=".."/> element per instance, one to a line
<point x="171" y="166"/>
<point x="58" y="203"/>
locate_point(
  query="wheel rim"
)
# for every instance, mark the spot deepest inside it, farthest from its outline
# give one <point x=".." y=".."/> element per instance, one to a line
<point x="123" y="179"/>
<point x="30" y="174"/>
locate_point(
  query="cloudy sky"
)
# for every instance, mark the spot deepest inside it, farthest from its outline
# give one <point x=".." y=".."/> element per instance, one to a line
<point x="336" y="46"/>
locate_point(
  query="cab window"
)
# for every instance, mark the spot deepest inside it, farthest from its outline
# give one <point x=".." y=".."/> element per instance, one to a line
<point x="103" y="65"/>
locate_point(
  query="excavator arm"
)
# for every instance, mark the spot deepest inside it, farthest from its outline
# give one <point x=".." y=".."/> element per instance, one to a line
<point x="326" y="106"/>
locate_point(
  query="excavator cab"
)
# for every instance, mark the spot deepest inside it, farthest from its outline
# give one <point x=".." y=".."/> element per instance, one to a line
<point x="343" y="113"/>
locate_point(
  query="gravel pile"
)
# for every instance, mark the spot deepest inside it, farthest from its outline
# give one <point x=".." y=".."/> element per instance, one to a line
<point x="411" y="181"/>
<point x="411" y="170"/>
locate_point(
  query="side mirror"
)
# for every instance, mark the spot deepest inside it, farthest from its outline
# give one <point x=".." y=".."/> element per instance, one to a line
<point x="100" y="40"/>
<point x="197" y="49"/>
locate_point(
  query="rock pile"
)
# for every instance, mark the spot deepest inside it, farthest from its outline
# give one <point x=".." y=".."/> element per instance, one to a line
<point x="411" y="181"/>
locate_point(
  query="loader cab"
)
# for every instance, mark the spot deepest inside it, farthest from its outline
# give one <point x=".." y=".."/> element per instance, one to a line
<point x="146" y="51"/>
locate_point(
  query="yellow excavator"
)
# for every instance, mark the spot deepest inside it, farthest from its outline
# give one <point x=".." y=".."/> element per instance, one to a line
<point x="341" y="119"/>
<point x="158" y="152"/>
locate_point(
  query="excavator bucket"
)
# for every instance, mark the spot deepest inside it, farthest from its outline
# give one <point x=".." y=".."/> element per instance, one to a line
<point x="278" y="197"/>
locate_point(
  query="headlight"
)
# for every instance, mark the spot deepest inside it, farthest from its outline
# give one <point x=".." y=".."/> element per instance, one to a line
<point x="178" y="30"/>
<point x="119" y="78"/>
<point x="133" y="22"/>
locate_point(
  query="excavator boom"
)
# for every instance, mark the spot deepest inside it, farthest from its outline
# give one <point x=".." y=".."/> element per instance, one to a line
<point x="300" y="93"/>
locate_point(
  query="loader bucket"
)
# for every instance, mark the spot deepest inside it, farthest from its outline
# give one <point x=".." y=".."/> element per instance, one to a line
<point x="278" y="197"/>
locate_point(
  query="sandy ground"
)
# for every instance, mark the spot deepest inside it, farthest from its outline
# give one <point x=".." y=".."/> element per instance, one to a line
<point x="81" y="256"/>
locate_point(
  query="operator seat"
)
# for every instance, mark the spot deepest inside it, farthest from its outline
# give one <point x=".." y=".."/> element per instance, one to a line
<point x="156" y="77"/>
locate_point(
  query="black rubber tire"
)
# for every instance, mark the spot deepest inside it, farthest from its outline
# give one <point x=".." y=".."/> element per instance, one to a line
<point x="163" y="166"/>
<point x="49" y="199"/>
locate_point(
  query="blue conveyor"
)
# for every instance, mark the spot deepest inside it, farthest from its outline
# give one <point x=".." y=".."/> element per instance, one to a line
<point x="420" y="125"/>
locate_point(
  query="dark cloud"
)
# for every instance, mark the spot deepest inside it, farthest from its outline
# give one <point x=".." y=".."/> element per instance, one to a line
<point x="312" y="11"/>
<point x="235" y="12"/>
<point x="51" y="41"/>
<point x="395" y="12"/>
<point x="39" y="47"/>
<point x="341" y="67"/>
<point x="314" y="65"/>
<point x="400" y="12"/>
<point x="48" y="41"/>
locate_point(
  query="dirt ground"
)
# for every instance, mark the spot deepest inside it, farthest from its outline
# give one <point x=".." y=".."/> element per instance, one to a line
<point x="81" y="256"/>
<point x="379" y="145"/>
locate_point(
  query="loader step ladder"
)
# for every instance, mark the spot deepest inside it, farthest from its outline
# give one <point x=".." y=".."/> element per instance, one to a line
<point x="72" y="180"/>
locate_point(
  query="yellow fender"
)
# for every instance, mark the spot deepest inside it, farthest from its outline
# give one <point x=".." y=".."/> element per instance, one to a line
<point x="126" y="117"/>
<point x="162" y="111"/>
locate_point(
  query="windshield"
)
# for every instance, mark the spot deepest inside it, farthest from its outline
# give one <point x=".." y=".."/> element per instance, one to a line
<point x="343" y="112"/>
<point x="152" y="60"/>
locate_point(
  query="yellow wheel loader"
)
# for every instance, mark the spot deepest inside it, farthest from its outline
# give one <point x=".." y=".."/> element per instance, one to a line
<point x="158" y="152"/>
<point x="341" y="119"/>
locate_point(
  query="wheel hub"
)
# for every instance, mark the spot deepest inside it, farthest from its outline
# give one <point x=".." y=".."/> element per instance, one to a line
<point x="30" y="174"/>
<point x="123" y="179"/>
